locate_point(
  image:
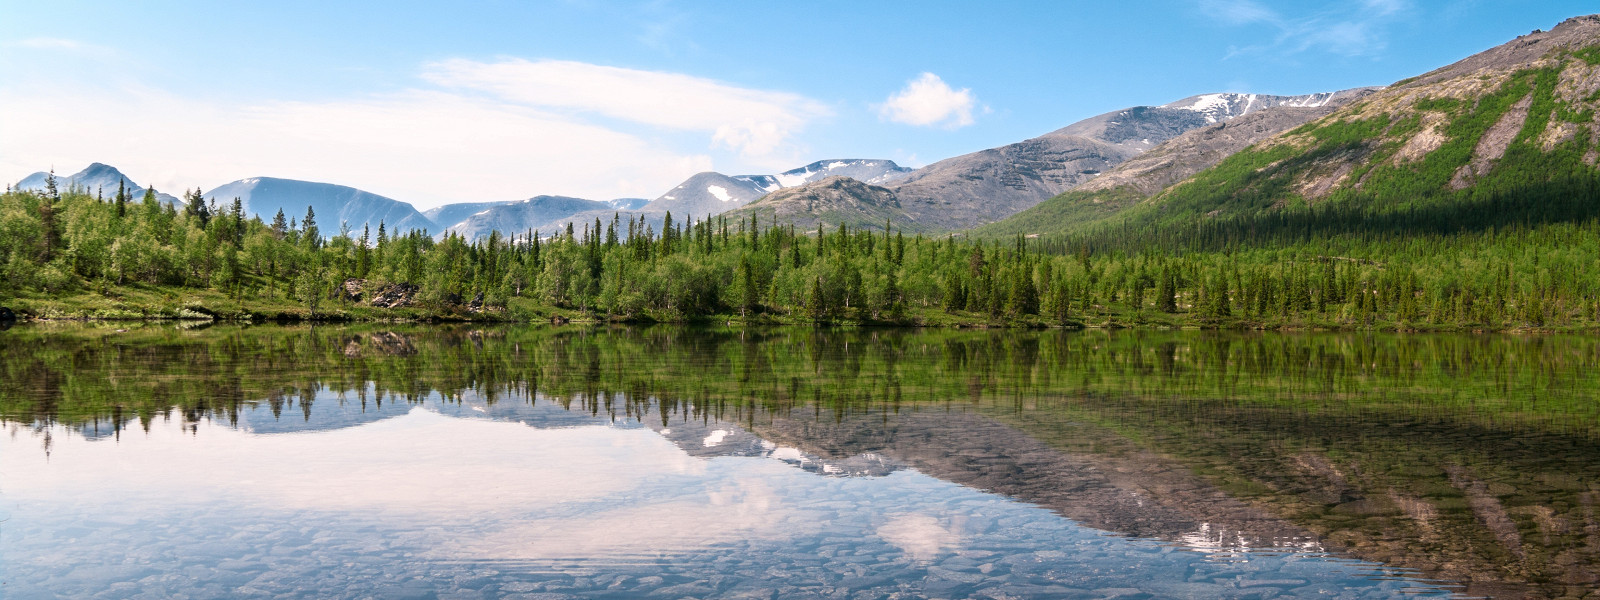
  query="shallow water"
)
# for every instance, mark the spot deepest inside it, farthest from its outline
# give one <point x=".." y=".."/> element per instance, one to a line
<point x="671" y="462"/>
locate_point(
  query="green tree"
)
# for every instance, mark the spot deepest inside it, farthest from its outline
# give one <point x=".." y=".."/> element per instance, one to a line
<point x="1166" y="292"/>
<point x="749" y="292"/>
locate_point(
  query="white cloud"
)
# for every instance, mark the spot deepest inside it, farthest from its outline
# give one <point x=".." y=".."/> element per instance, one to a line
<point x="1386" y="7"/>
<point x="1347" y="38"/>
<point x="47" y="43"/>
<point x="419" y="146"/>
<point x="1238" y="12"/>
<point x="753" y="122"/>
<point x="928" y="101"/>
<point x="469" y="131"/>
<point x="1353" y="29"/>
<point x="923" y="537"/>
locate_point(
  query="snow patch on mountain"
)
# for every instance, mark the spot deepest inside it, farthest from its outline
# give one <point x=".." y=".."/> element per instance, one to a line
<point x="792" y="179"/>
<point x="767" y="183"/>
<point x="1223" y="106"/>
<point x="876" y="172"/>
<point x="721" y="193"/>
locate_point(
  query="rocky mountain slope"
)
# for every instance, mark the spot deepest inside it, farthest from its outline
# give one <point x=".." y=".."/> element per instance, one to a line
<point x="1509" y="135"/>
<point x="711" y="193"/>
<point x="334" y="204"/>
<point x="875" y="172"/>
<point x="443" y="217"/>
<point x="831" y="201"/>
<point x="627" y="203"/>
<point x="96" y="178"/>
<point x="1160" y="167"/>
<point x="517" y="218"/>
<point x="707" y="193"/>
<point x="984" y="186"/>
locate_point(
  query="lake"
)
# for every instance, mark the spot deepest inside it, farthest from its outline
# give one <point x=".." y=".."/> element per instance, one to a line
<point x="399" y="461"/>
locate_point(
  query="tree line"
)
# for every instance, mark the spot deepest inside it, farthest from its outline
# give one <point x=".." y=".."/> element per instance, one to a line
<point x="65" y="243"/>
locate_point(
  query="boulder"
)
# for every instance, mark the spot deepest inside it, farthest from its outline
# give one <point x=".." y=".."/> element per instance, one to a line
<point x="394" y="295"/>
<point x="352" y="289"/>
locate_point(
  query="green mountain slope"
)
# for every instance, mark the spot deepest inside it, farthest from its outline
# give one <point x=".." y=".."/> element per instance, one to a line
<point x="1159" y="168"/>
<point x="1505" y="137"/>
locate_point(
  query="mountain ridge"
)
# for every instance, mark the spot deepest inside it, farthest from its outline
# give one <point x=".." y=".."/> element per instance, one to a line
<point x="1505" y="135"/>
<point x="335" y="205"/>
<point x="95" y="178"/>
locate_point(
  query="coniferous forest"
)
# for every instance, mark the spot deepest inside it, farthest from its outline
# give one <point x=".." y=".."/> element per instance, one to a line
<point x="74" y="253"/>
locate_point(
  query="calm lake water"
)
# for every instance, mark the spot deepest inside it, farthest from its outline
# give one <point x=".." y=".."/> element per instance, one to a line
<point x="455" y="462"/>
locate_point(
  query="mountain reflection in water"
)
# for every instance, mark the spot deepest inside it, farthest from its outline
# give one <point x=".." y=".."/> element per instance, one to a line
<point x="804" y="462"/>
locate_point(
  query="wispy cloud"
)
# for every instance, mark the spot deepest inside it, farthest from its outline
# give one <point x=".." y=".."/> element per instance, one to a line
<point x="928" y="101"/>
<point x="427" y="147"/>
<point x="754" y="122"/>
<point x="1238" y="12"/>
<point x="47" y="43"/>
<point x="506" y="129"/>
<point x="1386" y="7"/>
<point x="1347" y="29"/>
<point x="63" y="46"/>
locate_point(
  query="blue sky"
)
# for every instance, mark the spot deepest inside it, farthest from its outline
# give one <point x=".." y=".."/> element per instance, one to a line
<point x="465" y="101"/>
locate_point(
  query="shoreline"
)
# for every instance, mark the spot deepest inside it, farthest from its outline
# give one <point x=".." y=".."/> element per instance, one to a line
<point x="1174" y="322"/>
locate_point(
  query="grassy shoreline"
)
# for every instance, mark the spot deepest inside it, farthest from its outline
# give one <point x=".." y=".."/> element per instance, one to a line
<point x="140" y="303"/>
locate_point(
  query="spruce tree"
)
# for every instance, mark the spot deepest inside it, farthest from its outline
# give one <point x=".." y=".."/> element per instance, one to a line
<point x="195" y="207"/>
<point x="1217" y="304"/>
<point x="122" y="198"/>
<point x="47" y="218"/>
<point x="1166" y="293"/>
<point x="892" y="297"/>
<point x="238" y="220"/>
<point x="955" y="297"/>
<point x="309" y="235"/>
<point x="749" y="296"/>
<point x="816" y="303"/>
<point x="280" y="226"/>
<point x="1024" y="296"/>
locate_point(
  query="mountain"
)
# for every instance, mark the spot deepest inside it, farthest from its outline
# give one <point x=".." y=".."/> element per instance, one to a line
<point x="516" y="218"/>
<point x="980" y="187"/>
<point x="96" y="178"/>
<point x="627" y="203"/>
<point x="875" y="172"/>
<point x="1153" y="171"/>
<point x="1506" y="136"/>
<point x="707" y="193"/>
<point x="701" y="195"/>
<point x="831" y="201"/>
<point x="714" y="193"/>
<point x="443" y="217"/>
<point x="334" y="204"/>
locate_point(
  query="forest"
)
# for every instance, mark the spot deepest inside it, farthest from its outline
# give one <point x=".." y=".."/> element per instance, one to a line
<point x="75" y="253"/>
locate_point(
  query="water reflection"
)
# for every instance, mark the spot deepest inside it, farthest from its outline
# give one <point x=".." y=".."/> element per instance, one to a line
<point x="706" y="463"/>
